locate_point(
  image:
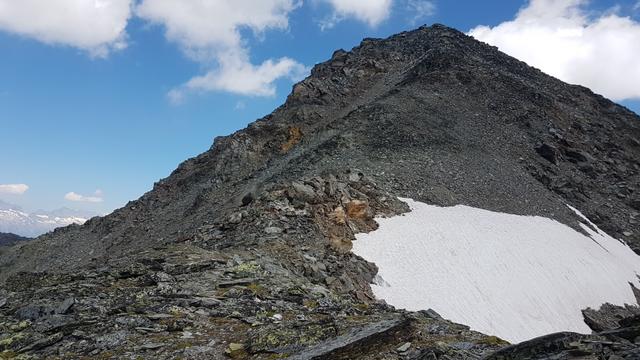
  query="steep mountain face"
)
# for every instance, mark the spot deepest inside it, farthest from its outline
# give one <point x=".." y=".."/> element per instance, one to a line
<point x="15" y="220"/>
<point x="8" y="239"/>
<point x="245" y="249"/>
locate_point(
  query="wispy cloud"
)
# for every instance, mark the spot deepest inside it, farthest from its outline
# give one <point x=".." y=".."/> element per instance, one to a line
<point x="564" y="39"/>
<point x="421" y="9"/>
<point x="97" y="197"/>
<point x="13" y="189"/>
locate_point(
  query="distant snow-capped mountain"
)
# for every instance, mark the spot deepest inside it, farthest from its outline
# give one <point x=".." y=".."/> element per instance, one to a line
<point x="31" y="224"/>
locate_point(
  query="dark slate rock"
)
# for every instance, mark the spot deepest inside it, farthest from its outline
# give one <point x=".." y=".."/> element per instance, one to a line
<point x="65" y="306"/>
<point x="609" y="316"/>
<point x="549" y="152"/>
<point x="356" y="342"/>
<point x="33" y="312"/>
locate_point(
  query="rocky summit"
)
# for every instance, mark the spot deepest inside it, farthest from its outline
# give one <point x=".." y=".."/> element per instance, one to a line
<point x="244" y="251"/>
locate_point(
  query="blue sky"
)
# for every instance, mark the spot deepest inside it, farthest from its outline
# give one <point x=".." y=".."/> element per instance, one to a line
<point x="90" y="121"/>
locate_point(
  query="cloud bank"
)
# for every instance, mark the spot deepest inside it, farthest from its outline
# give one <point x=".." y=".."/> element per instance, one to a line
<point x="210" y="32"/>
<point x="563" y="40"/>
<point x="13" y="189"/>
<point x="75" y="197"/>
<point x="96" y="26"/>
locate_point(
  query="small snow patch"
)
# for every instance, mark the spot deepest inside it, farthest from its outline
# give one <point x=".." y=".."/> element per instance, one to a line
<point x="517" y="277"/>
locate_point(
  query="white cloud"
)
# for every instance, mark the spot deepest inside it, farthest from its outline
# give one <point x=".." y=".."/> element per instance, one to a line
<point x="96" y="26"/>
<point x="242" y="77"/>
<point x="75" y="197"/>
<point x="561" y="39"/>
<point x="372" y="12"/>
<point x="13" y="189"/>
<point x="209" y="32"/>
<point x="421" y="9"/>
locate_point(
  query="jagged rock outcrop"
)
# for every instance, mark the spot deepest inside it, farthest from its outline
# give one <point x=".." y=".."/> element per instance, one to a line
<point x="610" y="317"/>
<point x="243" y="251"/>
<point x="616" y="336"/>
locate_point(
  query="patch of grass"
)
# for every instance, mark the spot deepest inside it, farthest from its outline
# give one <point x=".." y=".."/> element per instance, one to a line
<point x="362" y="307"/>
<point x="176" y="311"/>
<point x="20" y="326"/>
<point x="310" y="304"/>
<point x="283" y="337"/>
<point x="8" y="354"/>
<point x="7" y="342"/>
<point x="493" y="341"/>
<point x="182" y="345"/>
<point x="258" y="290"/>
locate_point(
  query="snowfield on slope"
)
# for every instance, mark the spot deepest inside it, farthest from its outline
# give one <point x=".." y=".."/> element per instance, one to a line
<point x="517" y="277"/>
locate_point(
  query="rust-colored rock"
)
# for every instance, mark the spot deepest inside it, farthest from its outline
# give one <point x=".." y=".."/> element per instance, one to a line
<point x="358" y="209"/>
<point x="338" y="216"/>
<point x="340" y="244"/>
<point x="295" y="135"/>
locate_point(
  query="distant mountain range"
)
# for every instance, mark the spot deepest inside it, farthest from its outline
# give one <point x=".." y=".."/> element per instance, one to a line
<point x="32" y="224"/>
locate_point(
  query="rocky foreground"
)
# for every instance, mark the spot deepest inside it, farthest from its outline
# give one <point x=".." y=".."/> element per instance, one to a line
<point x="263" y="283"/>
<point x="244" y="251"/>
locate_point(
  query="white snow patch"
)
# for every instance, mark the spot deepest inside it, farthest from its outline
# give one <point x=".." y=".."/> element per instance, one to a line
<point x="517" y="277"/>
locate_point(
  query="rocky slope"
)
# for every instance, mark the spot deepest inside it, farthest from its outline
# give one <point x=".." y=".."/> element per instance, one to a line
<point x="8" y="239"/>
<point x="243" y="251"/>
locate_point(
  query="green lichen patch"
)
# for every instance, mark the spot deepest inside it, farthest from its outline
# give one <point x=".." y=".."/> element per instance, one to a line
<point x="286" y="339"/>
<point x="493" y="341"/>
<point x="247" y="269"/>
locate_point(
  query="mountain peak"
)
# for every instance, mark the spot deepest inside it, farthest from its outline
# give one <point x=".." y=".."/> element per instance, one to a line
<point x="433" y="91"/>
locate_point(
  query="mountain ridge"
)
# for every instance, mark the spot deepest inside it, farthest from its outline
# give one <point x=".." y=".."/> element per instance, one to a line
<point x="258" y="147"/>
